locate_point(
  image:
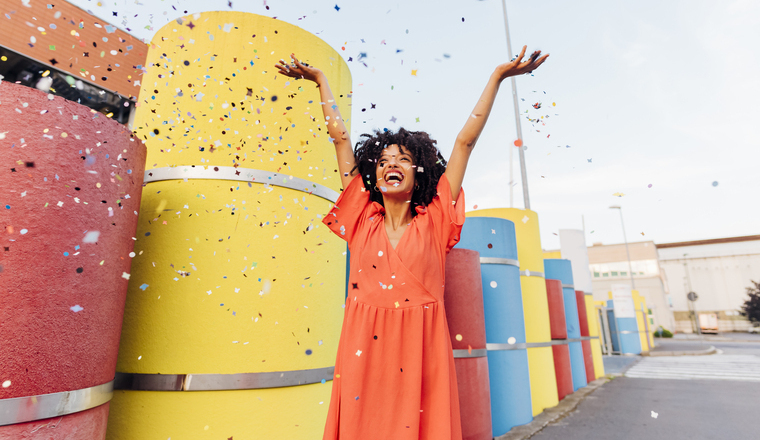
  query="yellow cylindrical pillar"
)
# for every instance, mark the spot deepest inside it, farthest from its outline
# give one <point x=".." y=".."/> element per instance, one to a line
<point x="236" y="288"/>
<point x="647" y="337"/>
<point x="552" y="254"/>
<point x="543" y="384"/>
<point x="593" y="331"/>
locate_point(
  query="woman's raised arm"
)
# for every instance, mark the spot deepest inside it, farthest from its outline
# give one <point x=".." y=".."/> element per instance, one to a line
<point x="335" y="126"/>
<point x="466" y="139"/>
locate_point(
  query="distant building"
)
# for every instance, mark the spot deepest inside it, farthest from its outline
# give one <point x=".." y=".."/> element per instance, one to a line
<point x="718" y="271"/>
<point x="609" y="265"/>
<point x="62" y="50"/>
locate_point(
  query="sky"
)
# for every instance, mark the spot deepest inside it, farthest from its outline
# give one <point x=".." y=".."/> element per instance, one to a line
<point x="647" y="105"/>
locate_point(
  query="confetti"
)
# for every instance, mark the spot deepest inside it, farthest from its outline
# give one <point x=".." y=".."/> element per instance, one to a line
<point x="76" y="308"/>
<point x="493" y="284"/>
<point x="458" y="337"/>
<point x="511" y="340"/>
<point x="91" y="237"/>
<point x="715" y="183"/>
<point x="6" y="384"/>
<point x="358" y="352"/>
<point x="654" y="415"/>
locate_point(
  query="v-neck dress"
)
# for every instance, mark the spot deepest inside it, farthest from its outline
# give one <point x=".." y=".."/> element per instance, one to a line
<point x="394" y="373"/>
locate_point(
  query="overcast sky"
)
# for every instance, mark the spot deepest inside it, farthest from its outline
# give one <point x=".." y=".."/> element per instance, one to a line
<point x="655" y="100"/>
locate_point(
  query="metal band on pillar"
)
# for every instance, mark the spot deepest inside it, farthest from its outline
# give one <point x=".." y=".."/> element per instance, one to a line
<point x="219" y="382"/>
<point x="462" y="353"/>
<point x="568" y="286"/>
<point x="494" y="260"/>
<point x="529" y="273"/>
<point x="524" y="345"/>
<point x="44" y="406"/>
<point x="249" y="175"/>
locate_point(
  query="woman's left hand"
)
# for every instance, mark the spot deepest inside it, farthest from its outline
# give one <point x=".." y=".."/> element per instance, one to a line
<point x="518" y="66"/>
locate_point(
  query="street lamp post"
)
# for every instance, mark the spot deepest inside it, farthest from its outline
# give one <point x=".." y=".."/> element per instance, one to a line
<point x="625" y="239"/>
<point x="523" y="173"/>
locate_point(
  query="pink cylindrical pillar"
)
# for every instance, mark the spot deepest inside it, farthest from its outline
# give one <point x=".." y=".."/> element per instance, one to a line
<point x="463" y="300"/>
<point x="70" y="187"/>
<point x="558" y="327"/>
<point x="588" y="359"/>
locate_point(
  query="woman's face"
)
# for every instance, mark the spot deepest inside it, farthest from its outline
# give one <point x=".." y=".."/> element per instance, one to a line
<point x="395" y="173"/>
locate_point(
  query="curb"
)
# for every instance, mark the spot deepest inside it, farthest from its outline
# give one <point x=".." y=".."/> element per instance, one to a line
<point x="707" y="351"/>
<point x="551" y="415"/>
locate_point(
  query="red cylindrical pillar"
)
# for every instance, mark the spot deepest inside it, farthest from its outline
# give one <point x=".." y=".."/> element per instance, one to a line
<point x="588" y="359"/>
<point x="463" y="301"/>
<point x="558" y="328"/>
<point x="557" y="321"/>
<point x="70" y="187"/>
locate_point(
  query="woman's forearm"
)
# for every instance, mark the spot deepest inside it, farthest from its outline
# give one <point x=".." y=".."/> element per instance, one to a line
<point x="477" y="120"/>
<point x="337" y="130"/>
<point x="333" y="120"/>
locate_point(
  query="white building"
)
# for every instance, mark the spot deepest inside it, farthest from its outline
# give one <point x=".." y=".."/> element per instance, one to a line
<point x="609" y="265"/>
<point x="718" y="271"/>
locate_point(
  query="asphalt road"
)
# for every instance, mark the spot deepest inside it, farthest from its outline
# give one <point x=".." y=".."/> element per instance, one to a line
<point x="730" y="346"/>
<point x="696" y="409"/>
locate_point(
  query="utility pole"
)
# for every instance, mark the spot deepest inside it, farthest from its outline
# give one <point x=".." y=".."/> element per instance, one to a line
<point x="625" y="239"/>
<point x="526" y="198"/>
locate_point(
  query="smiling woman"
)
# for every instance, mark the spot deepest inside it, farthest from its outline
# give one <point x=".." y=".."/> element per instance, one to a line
<point x="401" y="212"/>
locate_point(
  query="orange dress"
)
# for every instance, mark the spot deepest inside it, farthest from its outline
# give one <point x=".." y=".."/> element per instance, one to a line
<point x="394" y="373"/>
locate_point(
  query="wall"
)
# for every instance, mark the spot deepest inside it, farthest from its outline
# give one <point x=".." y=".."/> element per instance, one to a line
<point x="719" y="273"/>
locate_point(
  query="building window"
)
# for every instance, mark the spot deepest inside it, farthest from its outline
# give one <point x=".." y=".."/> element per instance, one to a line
<point x="596" y="274"/>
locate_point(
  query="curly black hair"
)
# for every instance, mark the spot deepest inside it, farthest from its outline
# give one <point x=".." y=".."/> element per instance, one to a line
<point x="425" y="156"/>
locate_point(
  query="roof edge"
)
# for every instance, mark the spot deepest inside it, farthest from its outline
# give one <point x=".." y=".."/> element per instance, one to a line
<point x="710" y="241"/>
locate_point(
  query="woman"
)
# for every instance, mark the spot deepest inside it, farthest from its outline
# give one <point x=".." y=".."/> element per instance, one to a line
<point x="401" y="212"/>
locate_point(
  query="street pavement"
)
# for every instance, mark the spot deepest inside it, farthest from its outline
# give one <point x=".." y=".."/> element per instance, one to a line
<point x="674" y="397"/>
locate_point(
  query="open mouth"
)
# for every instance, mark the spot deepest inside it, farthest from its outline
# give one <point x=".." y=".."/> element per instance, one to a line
<point x="394" y="177"/>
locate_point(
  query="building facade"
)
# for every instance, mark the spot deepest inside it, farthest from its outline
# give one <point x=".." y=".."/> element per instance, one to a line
<point x="719" y="271"/>
<point x="609" y="265"/>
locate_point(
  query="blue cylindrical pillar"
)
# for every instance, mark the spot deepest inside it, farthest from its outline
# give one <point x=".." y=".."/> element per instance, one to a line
<point x="625" y="332"/>
<point x="494" y="239"/>
<point x="558" y="269"/>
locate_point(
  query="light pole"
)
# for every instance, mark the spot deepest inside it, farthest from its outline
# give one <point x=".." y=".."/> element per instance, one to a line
<point x="526" y="198"/>
<point x="628" y="253"/>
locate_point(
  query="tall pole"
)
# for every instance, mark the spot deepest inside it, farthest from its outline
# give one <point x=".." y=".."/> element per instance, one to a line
<point x="627" y="252"/>
<point x="526" y="198"/>
<point x="625" y="240"/>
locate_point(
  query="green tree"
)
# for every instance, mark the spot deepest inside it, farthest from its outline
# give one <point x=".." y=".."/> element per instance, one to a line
<point x="751" y="307"/>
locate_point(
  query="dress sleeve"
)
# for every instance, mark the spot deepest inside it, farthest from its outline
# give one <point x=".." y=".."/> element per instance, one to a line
<point x="447" y="214"/>
<point x="349" y="210"/>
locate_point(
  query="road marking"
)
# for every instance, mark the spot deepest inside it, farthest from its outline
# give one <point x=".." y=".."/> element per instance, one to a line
<point x="716" y="367"/>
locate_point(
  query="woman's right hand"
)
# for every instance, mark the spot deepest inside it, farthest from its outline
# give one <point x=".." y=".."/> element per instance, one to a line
<point x="298" y="70"/>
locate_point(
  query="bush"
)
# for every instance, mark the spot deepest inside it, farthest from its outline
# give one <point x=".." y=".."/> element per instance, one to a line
<point x="662" y="333"/>
<point x="751" y="307"/>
